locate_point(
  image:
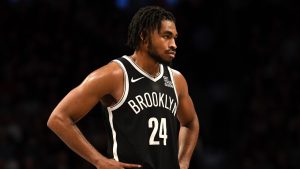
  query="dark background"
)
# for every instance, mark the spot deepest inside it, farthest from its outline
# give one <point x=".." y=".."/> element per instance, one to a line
<point x="240" y="58"/>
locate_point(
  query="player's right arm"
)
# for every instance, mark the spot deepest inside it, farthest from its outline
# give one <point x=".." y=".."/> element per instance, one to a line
<point x="76" y="104"/>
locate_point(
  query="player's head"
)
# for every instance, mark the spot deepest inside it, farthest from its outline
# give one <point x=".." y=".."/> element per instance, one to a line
<point x="155" y="27"/>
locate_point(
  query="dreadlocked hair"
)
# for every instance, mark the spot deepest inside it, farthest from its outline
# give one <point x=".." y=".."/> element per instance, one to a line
<point x="146" y="20"/>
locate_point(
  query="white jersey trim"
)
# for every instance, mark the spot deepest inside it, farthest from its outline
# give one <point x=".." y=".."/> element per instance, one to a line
<point x="114" y="107"/>
<point x="115" y="143"/>
<point x="161" y="70"/>
<point x="174" y="84"/>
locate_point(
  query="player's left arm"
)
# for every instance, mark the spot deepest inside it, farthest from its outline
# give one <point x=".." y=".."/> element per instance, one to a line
<point x="189" y="124"/>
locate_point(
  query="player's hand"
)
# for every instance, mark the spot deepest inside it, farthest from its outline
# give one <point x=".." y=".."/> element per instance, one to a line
<point x="113" y="164"/>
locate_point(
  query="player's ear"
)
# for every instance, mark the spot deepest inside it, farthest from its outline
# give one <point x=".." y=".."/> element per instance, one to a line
<point x="144" y="38"/>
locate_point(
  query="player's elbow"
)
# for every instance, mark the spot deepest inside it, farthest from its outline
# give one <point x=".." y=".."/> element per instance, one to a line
<point x="51" y="121"/>
<point x="54" y="121"/>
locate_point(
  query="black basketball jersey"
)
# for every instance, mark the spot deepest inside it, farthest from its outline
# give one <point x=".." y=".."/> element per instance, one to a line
<point x="143" y="124"/>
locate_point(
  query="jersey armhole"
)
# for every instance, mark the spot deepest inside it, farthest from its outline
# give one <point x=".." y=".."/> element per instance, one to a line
<point x="125" y="87"/>
<point x="174" y="84"/>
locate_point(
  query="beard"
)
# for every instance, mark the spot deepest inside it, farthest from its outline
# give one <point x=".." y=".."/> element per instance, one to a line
<point x="154" y="55"/>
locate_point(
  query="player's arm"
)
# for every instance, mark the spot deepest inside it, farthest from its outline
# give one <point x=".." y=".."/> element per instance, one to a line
<point x="189" y="124"/>
<point x="76" y="104"/>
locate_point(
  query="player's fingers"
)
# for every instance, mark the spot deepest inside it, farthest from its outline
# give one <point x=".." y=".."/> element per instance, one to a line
<point x="128" y="165"/>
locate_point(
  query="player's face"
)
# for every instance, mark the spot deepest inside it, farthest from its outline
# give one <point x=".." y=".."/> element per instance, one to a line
<point x="162" y="46"/>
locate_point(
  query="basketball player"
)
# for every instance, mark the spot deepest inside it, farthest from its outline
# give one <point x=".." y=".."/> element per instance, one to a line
<point x="145" y="101"/>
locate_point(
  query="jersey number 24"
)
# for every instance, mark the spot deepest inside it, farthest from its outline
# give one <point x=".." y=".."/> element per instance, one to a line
<point x="161" y="128"/>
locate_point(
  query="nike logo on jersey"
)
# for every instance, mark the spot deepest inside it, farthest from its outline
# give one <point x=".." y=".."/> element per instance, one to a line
<point x="135" y="80"/>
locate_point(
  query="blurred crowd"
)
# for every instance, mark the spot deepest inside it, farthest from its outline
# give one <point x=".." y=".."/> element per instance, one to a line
<point x="241" y="60"/>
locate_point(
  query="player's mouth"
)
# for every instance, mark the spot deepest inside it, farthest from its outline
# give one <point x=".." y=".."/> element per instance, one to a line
<point x="172" y="54"/>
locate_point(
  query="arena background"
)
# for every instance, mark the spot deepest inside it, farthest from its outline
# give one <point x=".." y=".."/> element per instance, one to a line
<point x="240" y="58"/>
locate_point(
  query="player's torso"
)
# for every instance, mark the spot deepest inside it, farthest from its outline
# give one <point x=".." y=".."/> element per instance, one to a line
<point x="143" y="124"/>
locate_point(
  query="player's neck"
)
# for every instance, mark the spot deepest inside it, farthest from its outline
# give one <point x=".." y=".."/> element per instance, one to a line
<point x="145" y="62"/>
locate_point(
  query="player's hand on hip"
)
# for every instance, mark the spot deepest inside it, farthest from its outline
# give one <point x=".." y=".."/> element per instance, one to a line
<point x="113" y="164"/>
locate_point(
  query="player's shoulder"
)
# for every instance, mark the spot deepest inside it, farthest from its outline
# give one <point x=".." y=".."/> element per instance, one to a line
<point x="179" y="78"/>
<point x="110" y="70"/>
<point x="176" y="73"/>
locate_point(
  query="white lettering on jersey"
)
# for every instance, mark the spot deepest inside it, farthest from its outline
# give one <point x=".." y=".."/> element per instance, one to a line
<point x="147" y="100"/>
<point x="134" y="107"/>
